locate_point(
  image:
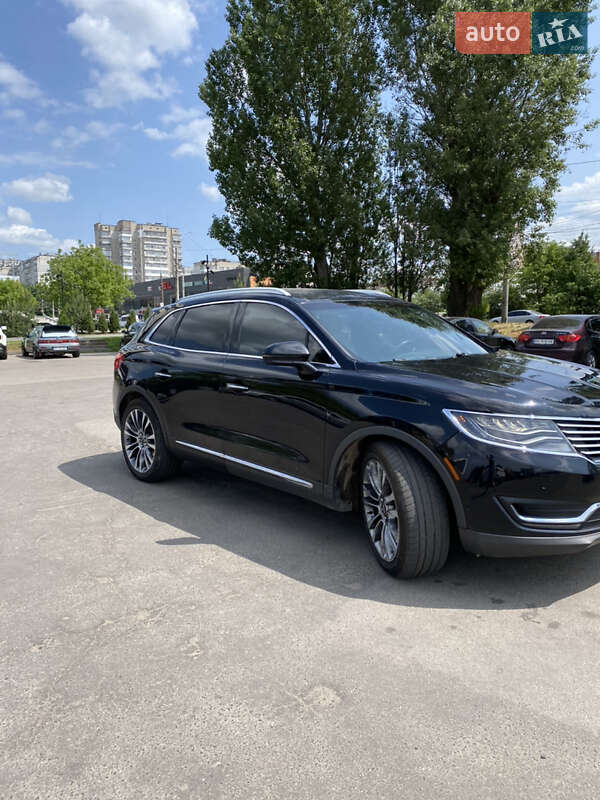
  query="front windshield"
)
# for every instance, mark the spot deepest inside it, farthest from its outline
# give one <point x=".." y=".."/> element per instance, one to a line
<point x="481" y="327"/>
<point x="388" y="330"/>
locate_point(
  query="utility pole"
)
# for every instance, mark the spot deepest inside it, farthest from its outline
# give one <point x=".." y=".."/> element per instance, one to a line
<point x="162" y="291"/>
<point x="176" y="279"/>
<point x="207" y="275"/>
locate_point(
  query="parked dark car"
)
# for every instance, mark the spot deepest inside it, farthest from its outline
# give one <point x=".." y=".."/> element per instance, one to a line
<point x="359" y="401"/>
<point x="573" y="337"/>
<point x="131" y="331"/>
<point x="50" y="340"/>
<point x="483" y="331"/>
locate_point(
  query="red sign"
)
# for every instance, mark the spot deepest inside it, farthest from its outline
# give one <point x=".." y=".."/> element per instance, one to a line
<point x="492" y="31"/>
<point x="167" y="285"/>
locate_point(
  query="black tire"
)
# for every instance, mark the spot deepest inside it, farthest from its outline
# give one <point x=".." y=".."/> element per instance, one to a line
<point x="164" y="464"/>
<point x="24" y="352"/>
<point x="3" y="355"/>
<point x="423" y="525"/>
<point x="76" y="355"/>
<point x="36" y="353"/>
<point x="590" y="360"/>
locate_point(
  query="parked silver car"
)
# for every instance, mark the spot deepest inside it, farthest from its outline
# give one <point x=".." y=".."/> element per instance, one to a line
<point x="50" y="340"/>
<point x="522" y="315"/>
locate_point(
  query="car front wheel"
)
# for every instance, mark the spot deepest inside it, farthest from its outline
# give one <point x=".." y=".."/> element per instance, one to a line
<point x="144" y="447"/>
<point x="590" y="359"/>
<point x="404" y="510"/>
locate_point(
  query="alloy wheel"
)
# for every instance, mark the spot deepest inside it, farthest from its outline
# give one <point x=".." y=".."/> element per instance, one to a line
<point x="590" y="360"/>
<point x="139" y="440"/>
<point x="381" y="512"/>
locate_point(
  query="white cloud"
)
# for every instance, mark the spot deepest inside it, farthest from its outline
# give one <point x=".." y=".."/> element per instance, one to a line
<point x="48" y="188"/>
<point x="127" y="41"/>
<point x="211" y="192"/>
<point x="577" y="213"/>
<point x="41" y="126"/>
<point x="192" y="132"/>
<point x="16" y="84"/>
<point x="73" y="137"/>
<point x="33" y="238"/>
<point x="37" y="159"/>
<point x="18" y="215"/>
<point x="14" y="113"/>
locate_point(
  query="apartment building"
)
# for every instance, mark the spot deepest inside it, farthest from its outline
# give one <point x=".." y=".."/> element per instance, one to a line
<point x="145" y="250"/>
<point x="103" y="238"/>
<point x="9" y="267"/>
<point x="31" y="270"/>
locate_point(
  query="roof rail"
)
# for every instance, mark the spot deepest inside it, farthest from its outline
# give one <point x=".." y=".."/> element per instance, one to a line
<point x="369" y="291"/>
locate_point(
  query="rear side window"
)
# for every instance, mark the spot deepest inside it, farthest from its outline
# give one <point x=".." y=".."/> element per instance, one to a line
<point x="264" y="324"/>
<point x="166" y="330"/>
<point x="206" y="328"/>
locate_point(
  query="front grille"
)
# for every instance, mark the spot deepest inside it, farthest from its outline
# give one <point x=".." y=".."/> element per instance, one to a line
<point x="583" y="434"/>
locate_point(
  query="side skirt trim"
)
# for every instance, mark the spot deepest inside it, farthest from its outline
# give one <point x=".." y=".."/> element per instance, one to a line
<point x="249" y="464"/>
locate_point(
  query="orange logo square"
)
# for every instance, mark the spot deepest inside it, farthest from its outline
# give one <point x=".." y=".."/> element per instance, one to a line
<point x="492" y="31"/>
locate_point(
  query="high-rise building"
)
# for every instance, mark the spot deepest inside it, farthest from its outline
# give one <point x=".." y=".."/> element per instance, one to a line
<point x="103" y="237"/>
<point x="145" y="251"/>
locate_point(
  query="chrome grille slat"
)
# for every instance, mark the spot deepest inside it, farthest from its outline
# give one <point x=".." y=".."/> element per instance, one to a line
<point x="583" y="435"/>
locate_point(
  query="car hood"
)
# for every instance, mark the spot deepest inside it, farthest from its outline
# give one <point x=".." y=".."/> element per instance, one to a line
<point x="503" y="381"/>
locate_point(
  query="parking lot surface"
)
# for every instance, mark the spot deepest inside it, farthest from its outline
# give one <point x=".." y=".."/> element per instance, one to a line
<point x="210" y="638"/>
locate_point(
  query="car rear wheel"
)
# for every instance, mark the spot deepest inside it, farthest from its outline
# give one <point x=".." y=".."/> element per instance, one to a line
<point x="144" y="447"/>
<point x="404" y="510"/>
<point x="590" y="359"/>
<point x="75" y="355"/>
<point x="36" y="353"/>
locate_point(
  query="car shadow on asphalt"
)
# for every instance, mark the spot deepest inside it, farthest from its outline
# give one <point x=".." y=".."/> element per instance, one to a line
<point x="323" y="548"/>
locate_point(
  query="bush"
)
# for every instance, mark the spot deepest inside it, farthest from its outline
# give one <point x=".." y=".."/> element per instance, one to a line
<point x="64" y="318"/>
<point x="131" y="318"/>
<point x="102" y="323"/>
<point x="88" y="323"/>
<point x="113" y="322"/>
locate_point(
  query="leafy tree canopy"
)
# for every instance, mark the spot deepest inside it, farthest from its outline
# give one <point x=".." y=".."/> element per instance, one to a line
<point x="17" y="307"/>
<point x="294" y="99"/>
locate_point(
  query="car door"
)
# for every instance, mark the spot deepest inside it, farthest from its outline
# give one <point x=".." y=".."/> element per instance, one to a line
<point x="276" y="417"/>
<point x="188" y="377"/>
<point x="30" y="340"/>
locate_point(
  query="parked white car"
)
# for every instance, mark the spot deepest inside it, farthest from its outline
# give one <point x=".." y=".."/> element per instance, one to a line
<point x="522" y="315"/>
<point x="3" y="345"/>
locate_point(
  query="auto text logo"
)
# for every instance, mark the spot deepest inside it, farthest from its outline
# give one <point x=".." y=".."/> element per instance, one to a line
<point x="497" y="32"/>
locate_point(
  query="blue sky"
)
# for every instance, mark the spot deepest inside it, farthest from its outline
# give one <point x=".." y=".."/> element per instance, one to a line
<point x="100" y="121"/>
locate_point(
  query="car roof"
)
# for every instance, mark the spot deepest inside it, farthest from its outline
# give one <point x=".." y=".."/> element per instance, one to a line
<point x="271" y="292"/>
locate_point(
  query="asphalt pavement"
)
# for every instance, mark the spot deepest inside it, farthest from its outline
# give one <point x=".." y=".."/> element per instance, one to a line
<point x="210" y="638"/>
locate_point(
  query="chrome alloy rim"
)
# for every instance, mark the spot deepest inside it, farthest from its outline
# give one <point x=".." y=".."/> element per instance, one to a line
<point x="140" y="442"/>
<point x="380" y="508"/>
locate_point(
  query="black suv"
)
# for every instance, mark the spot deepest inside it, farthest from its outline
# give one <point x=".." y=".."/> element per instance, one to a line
<point x="359" y="401"/>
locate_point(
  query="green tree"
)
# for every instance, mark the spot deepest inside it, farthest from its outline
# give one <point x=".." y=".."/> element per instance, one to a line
<point x="113" y="321"/>
<point x="17" y="307"/>
<point x="146" y="312"/>
<point x="430" y="299"/>
<point x="561" y="279"/>
<point x="63" y="318"/>
<point x="102" y="323"/>
<point x="88" y="325"/>
<point x="489" y="132"/>
<point x="131" y="318"/>
<point x="293" y="95"/>
<point x="85" y="276"/>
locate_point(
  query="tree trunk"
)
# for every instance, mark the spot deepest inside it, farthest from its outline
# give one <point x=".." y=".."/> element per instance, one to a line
<point x="464" y="298"/>
<point x="321" y="270"/>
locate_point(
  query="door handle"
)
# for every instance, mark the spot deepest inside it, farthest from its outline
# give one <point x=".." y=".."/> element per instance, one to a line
<point x="235" y="387"/>
<point x="162" y="375"/>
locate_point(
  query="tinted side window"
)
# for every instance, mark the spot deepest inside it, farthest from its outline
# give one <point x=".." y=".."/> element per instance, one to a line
<point x="595" y="324"/>
<point x="165" y="331"/>
<point x="206" y="327"/>
<point x="265" y="324"/>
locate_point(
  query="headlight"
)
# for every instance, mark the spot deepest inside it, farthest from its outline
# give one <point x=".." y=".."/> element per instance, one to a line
<point x="522" y="433"/>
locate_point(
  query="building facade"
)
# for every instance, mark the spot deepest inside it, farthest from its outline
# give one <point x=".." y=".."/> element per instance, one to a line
<point x="9" y="267"/>
<point x="31" y="270"/>
<point x="163" y="291"/>
<point x="217" y="265"/>
<point x="146" y="251"/>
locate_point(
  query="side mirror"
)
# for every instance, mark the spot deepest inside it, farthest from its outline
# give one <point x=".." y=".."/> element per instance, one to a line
<point x="286" y="354"/>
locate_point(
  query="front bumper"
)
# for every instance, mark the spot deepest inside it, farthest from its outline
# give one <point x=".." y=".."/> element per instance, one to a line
<point x="503" y="546"/>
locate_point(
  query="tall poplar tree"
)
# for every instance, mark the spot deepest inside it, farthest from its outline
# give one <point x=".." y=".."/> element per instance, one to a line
<point x="490" y="134"/>
<point x="293" y="95"/>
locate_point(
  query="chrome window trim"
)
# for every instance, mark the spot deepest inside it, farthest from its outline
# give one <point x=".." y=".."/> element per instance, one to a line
<point x="148" y="337"/>
<point x="448" y="413"/>
<point x="583" y="517"/>
<point x="249" y="464"/>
